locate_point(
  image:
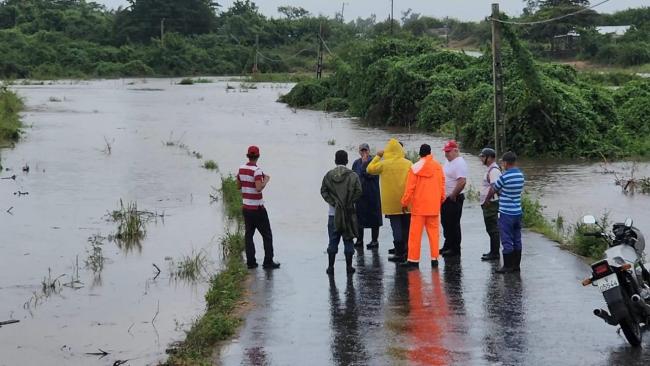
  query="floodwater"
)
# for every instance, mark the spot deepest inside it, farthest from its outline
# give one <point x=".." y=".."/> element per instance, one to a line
<point x="460" y="314"/>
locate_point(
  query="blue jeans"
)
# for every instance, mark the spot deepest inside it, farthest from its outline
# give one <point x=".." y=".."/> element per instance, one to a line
<point x="510" y="232"/>
<point x="400" y="225"/>
<point x="335" y="239"/>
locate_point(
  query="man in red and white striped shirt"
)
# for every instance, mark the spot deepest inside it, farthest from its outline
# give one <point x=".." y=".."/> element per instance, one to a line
<point x="252" y="181"/>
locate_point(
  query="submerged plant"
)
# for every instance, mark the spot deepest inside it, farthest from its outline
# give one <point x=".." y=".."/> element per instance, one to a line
<point x="210" y="165"/>
<point x="331" y="142"/>
<point x="131" y="222"/>
<point x="191" y="268"/>
<point x="231" y="198"/>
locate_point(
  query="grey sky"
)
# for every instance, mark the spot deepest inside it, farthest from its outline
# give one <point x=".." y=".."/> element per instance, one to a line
<point x="462" y="9"/>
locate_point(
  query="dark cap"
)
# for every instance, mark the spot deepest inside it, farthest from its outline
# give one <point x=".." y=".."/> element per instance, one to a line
<point x="364" y="146"/>
<point x="488" y="153"/>
<point x="509" y="157"/>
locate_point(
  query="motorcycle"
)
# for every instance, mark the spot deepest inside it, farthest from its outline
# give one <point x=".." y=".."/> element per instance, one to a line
<point x="622" y="278"/>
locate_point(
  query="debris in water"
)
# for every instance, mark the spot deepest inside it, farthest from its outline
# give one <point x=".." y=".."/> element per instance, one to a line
<point x="26" y="168"/>
<point x="19" y="193"/>
<point x="12" y="177"/>
<point x="7" y="322"/>
<point x="101" y="353"/>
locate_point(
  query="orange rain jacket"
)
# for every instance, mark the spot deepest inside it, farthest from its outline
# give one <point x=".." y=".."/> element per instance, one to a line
<point x="425" y="187"/>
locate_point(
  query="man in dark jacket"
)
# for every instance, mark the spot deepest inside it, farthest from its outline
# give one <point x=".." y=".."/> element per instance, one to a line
<point x="369" y="205"/>
<point x="341" y="189"/>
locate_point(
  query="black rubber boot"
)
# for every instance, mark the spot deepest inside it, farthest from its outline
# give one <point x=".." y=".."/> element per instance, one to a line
<point x="490" y="257"/>
<point x="516" y="262"/>
<point x="410" y="265"/>
<point x="330" y="267"/>
<point x="494" y="248"/>
<point x="507" y="263"/>
<point x="348" y="263"/>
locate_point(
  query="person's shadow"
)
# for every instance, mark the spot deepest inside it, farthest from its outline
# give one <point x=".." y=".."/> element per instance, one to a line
<point x="347" y="346"/>
<point x="505" y="337"/>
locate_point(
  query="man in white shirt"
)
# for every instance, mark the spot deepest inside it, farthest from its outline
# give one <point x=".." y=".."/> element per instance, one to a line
<point x="452" y="209"/>
<point x="490" y="202"/>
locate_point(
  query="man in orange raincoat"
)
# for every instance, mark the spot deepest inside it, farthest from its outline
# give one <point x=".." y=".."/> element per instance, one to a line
<point x="425" y="193"/>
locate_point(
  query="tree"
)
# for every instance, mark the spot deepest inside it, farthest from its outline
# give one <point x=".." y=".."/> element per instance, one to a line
<point x="293" y="12"/>
<point x="144" y="19"/>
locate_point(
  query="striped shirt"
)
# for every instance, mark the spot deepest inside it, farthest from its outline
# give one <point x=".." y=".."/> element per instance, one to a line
<point x="248" y="174"/>
<point x="510" y="187"/>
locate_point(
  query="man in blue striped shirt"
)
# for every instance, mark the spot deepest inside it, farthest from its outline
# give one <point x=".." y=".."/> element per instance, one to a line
<point x="510" y="187"/>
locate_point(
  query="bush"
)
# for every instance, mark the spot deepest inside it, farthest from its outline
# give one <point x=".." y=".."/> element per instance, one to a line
<point x="306" y="94"/>
<point x="334" y="105"/>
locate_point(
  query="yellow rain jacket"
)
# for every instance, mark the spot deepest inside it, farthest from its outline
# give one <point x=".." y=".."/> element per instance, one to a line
<point x="392" y="170"/>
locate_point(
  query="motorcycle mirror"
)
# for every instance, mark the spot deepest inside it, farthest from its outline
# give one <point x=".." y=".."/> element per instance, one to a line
<point x="589" y="220"/>
<point x="628" y="222"/>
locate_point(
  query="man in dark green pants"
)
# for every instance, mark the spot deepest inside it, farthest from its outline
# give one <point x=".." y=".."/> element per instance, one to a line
<point x="490" y="203"/>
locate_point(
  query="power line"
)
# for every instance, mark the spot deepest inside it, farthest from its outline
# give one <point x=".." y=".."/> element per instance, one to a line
<point x="283" y="59"/>
<point x="552" y="19"/>
<point x="326" y="47"/>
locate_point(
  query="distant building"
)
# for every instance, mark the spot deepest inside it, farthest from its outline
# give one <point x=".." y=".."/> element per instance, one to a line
<point x="614" y="30"/>
<point x="565" y="45"/>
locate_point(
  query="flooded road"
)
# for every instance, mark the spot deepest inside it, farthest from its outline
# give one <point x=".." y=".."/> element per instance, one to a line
<point x="460" y="314"/>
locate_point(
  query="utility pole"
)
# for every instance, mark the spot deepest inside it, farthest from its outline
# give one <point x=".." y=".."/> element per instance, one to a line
<point x="319" y="67"/>
<point x="391" y="17"/>
<point x="497" y="78"/>
<point x="447" y="32"/>
<point x="257" y="51"/>
<point x="162" y="31"/>
<point x="342" y="12"/>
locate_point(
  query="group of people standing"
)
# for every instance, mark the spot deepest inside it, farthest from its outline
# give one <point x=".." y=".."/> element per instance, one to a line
<point x="414" y="197"/>
<point x="418" y="197"/>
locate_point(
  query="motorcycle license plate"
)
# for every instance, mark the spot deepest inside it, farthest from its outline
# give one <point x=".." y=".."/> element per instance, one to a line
<point x="607" y="283"/>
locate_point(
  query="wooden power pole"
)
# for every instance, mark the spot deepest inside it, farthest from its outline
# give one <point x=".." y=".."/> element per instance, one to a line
<point x="392" y="19"/>
<point x="257" y="52"/>
<point x="497" y="78"/>
<point x="319" y="67"/>
<point x="162" y="32"/>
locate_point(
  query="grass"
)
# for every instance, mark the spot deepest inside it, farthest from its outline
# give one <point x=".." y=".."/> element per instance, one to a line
<point x="186" y="81"/>
<point x="210" y="165"/>
<point x="131" y="223"/>
<point x="191" y="267"/>
<point x="331" y="142"/>
<point x="221" y="320"/>
<point x="231" y="198"/>
<point x="413" y="156"/>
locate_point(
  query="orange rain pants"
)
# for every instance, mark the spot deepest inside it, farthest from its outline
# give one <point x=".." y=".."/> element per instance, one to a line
<point x="432" y="225"/>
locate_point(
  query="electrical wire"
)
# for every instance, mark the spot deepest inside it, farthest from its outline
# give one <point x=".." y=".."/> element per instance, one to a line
<point x="326" y="47"/>
<point x="283" y="59"/>
<point x="552" y="19"/>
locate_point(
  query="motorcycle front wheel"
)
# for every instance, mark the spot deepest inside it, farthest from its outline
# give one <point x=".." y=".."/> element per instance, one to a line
<point x="632" y="331"/>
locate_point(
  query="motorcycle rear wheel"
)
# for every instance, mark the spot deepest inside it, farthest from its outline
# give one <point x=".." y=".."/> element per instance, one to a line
<point x="632" y="331"/>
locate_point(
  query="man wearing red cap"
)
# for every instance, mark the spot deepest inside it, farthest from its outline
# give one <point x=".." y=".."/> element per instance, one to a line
<point x="452" y="209"/>
<point x="252" y="181"/>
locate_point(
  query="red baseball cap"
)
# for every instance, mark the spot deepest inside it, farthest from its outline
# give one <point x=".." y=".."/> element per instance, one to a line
<point x="450" y="145"/>
<point x="253" y="150"/>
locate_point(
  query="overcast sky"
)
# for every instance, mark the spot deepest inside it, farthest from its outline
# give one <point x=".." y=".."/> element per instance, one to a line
<point x="461" y="9"/>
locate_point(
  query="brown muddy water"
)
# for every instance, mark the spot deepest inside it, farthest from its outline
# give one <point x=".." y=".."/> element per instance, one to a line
<point x="72" y="184"/>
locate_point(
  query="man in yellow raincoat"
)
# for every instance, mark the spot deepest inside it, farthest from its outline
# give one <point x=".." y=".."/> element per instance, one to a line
<point x="392" y="168"/>
<point x="424" y="193"/>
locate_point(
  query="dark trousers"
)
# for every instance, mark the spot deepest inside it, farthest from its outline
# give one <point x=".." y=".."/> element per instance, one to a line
<point x="258" y="220"/>
<point x="510" y="230"/>
<point x="490" y="217"/>
<point x="400" y="225"/>
<point x="450" y="214"/>
<point x="335" y="239"/>
<point x="374" y="231"/>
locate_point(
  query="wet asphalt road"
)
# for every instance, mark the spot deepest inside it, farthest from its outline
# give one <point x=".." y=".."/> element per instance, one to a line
<point x="459" y="314"/>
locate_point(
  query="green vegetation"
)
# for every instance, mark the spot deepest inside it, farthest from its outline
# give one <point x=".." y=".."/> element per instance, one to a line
<point x="231" y="196"/>
<point x="210" y="165"/>
<point x="130" y="222"/>
<point x="190" y="268"/>
<point x="227" y="288"/>
<point x="10" y="106"/>
<point x="549" y="109"/>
